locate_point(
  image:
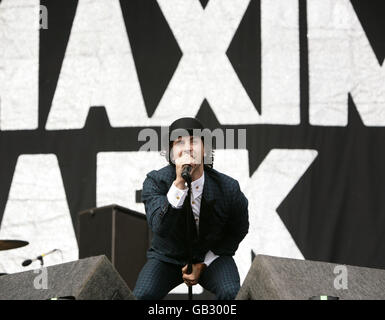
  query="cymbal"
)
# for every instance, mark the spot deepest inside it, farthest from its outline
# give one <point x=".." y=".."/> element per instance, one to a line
<point x="12" y="244"/>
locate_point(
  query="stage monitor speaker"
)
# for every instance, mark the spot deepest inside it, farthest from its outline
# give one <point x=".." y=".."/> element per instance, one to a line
<point x="291" y="279"/>
<point x="117" y="232"/>
<point x="93" y="278"/>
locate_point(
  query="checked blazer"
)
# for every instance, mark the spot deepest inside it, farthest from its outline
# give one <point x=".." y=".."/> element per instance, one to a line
<point x="223" y="217"/>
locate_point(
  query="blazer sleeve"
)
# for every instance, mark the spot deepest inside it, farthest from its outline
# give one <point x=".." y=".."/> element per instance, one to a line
<point x="159" y="213"/>
<point x="237" y="226"/>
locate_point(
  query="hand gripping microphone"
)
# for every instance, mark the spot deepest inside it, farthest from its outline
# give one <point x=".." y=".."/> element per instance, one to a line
<point x="186" y="173"/>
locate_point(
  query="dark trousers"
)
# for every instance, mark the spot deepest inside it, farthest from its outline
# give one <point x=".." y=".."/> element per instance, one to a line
<point x="158" y="278"/>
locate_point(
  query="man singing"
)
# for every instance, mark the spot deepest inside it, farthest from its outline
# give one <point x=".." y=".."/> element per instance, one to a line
<point x="220" y="211"/>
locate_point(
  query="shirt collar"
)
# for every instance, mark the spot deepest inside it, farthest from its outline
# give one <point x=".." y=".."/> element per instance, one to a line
<point x="197" y="186"/>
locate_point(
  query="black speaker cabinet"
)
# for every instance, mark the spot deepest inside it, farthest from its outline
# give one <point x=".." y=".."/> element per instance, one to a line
<point x="274" y="278"/>
<point x="117" y="232"/>
<point x="93" y="278"/>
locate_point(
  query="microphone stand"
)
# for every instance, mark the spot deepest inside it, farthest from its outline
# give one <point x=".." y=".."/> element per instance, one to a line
<point x="189" y="215"/>
<point x="40" y="258"/>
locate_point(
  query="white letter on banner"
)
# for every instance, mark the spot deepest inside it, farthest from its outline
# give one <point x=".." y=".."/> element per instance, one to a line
<point x="98" y="70"/>
<point x="19" y="64"/>
<point x="37" y="212"/>
<point x="267" y="188"/>
<point x="341" y="61"/>
<point x="205" y="71"/>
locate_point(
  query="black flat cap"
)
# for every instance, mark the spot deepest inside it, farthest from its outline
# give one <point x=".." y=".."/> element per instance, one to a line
<point x="184" y="126"/>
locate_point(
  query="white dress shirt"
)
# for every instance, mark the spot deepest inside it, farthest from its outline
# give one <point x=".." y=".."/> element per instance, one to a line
<point x="176" y="198"/>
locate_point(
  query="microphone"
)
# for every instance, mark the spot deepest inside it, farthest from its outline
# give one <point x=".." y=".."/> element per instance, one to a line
<point x="29" y="261"/>
<point x="186" y="173"/>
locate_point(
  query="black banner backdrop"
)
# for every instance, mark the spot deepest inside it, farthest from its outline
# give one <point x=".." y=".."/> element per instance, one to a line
<point x="336" y="211"/>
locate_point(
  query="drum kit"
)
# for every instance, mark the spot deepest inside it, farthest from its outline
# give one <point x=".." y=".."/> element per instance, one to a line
<point x="11" y="244"/>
